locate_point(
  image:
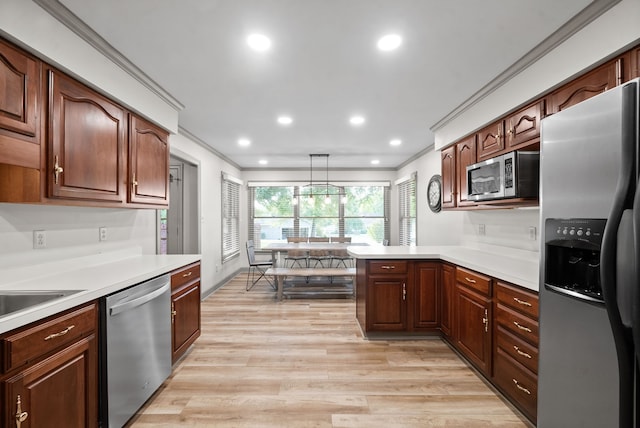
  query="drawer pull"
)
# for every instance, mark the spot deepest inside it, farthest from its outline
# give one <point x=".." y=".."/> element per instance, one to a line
<point x="61" y="333"/>
<point x="524" y="354"/>
<point x="521" y="327"/>
<point x="187" y="275"/>
<point x="20" y="415"/>
<point x="521" y="388"/>
<point x="387" y="267"/>
<point x="472" y="281"/>
<point x="522" y="302"/>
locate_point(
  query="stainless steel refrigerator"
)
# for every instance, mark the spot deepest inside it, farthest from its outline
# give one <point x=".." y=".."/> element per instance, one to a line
<point x="590" y="243"/>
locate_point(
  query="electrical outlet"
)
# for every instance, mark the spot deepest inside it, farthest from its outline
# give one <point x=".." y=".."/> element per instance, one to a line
<point x="103" y="234"/>
<point x="39" y="239"/>
<point x="481" y="229"/>
<point x="532" y="233"/>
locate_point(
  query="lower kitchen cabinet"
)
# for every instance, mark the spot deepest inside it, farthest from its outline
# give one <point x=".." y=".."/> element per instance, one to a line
<point x="448" y="283"/>
<point x="185" y="309"/>
<point x="473" y="318"/>
<point x="50" y="372"/>
<point x="426" y="295"/>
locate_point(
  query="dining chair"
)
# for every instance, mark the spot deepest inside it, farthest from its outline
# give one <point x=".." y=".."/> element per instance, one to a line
<point x="341" y="256"/>
<point x="319" y="256"/>
<point x="296" y="257"/>
<point x="256" y="268"/>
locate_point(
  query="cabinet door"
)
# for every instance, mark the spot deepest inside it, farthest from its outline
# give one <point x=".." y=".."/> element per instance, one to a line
<point x="491" y="140"/>
<point x="149" y="175"/>
<point x="447" y="287"/>
<point x="448" y="157"/>
<point x="185" y="319"/>
<point x="465" y="156"/>
<point x="61" y="391"/>
<point x="426" y="295"/>
<point x="87" y="151"/>
<point x="634" y="59"/>
<point x="473" y="335"/>
<point x="386" y="303"/>
<point x="523" y="127"/>
<point x="593" y="83"/>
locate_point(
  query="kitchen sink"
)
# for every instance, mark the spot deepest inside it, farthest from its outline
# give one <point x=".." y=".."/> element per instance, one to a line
<point x="13" y="301"/>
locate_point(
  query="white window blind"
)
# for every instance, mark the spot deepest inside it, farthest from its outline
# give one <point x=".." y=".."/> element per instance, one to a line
<point x="407" y="211"/>
<point x="230" y="217"/>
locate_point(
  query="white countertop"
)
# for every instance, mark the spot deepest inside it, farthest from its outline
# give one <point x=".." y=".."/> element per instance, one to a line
<point x="517" y="267"/>
<point x="96" y="275"/>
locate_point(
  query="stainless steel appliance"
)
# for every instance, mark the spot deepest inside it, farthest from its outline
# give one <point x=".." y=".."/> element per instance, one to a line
<point x="512" y="175"/>
<point x="135" y="348"/>
<point x="589" y="290"/>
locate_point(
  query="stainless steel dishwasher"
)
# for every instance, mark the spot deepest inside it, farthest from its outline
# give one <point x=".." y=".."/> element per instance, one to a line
<point x="135" y="348"/>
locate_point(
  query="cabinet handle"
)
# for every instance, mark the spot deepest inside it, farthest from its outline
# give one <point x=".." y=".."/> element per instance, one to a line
<point x="521" y="327"/>
<point x="57" y="170"/>
<point x="404" y="291"/>
<point x="485" y="321"/>
<point x="61" y="333"/>
<point x="387" y="267"/>
<point x="134" y="183"/>
<point x="173" y="312"/>
<point x="498" y="136"/>
<point x="521" y="388"/>
<point x="20" y="415"/>
<point x="511" y="130"/>
<point x="472" y="281"/>
<point x="522" y="302"/>
<point x="524" y="354"/>
<point x="187" y="275"/>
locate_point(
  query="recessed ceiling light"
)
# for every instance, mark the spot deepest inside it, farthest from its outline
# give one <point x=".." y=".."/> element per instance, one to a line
<point x="395" y="142"/>
<point x="263" y="161"/>
<point x="285" y="120"/>
<point x="357" y="120"/>
<point x="375" y="162"/>
<point x="244" y="142"/>
<point x="259" y="42"/>
<point x="389" y="42"/>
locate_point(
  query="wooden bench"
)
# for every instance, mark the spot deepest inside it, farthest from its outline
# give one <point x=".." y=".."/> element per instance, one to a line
<point x="281" y="273"/>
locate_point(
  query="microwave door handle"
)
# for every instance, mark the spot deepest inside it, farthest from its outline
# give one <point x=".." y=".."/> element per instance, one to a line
<point x="623" y="199"/>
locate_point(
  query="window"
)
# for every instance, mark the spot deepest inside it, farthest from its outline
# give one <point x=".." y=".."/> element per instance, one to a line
<point x="230" y="217"/>
<point x="407" y="211"/>
<point x="362" y="214"/>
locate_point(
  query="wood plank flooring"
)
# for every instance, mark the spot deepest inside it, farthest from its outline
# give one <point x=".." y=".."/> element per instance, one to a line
<point x="303" y="363"/>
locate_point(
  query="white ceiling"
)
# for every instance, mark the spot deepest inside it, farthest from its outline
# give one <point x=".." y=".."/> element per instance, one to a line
<point x="323" y="67"/>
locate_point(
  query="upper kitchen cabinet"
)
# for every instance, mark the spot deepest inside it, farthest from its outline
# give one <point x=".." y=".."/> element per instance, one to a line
<point x="491" y="140"/>
<point x="448" y="158"/>
<point x="465" y="156"/>
<point x="19" y="126"/>
<point x="633" y="59"/>
<point x="149" y="163"/>
<point x="86" y="138"/>
<point x="523" y="126"/>
<point x="593" y="83"/>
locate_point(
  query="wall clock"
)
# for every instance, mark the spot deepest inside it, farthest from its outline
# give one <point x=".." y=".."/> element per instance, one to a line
<point x="434" y="193"/>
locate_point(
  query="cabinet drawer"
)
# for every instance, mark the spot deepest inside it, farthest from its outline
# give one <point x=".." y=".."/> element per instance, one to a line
<point x="519" y="350"/>
<point x="517" y="299"/>
<point x="520" y="325"/>
<point x="388" y="266"/>
<point x="474" y="280"/>
<point x="40" y="338"/>
<point x="517" y="382"/>
<point x="185" y="275"/>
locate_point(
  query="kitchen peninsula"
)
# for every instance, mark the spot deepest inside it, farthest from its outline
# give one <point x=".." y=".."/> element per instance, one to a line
<point x="483" y="303"/>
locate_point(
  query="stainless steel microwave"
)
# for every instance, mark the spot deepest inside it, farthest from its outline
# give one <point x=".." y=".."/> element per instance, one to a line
<point x="512" y="175"/>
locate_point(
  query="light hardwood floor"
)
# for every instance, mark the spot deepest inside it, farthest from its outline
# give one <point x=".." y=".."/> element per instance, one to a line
<point x="304" y="363"/>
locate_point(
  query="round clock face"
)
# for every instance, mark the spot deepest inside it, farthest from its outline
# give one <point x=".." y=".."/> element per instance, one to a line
<point x="434" y="193"/>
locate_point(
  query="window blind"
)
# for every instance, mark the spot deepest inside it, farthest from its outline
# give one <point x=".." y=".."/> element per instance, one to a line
<point x="230" y="218"/>
<point x="407" y="211"/>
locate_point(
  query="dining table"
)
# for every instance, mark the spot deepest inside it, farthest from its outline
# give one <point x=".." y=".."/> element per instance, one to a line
<point x="277" y="248"/>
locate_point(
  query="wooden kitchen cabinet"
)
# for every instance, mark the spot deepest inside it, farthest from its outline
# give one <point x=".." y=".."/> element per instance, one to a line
<point x="448" y="174"/>
<point x="185" y="309"/>
<point x="149" y="163"/>
<point x="490" y="140"/>
<point x="426" y="296"/>
<point x="19" y="125"/>
<point x="87" y="151"/>
<point x="465" y="156"/>
<point x="448" y="282"/>
<point x="522" y="128"/>
<point x="387" y="295"/>
<point x="473" y="314"/>
<point x="515" y="352"/>
<point x="50" y="371"/>
<point x="591" y="84"/>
